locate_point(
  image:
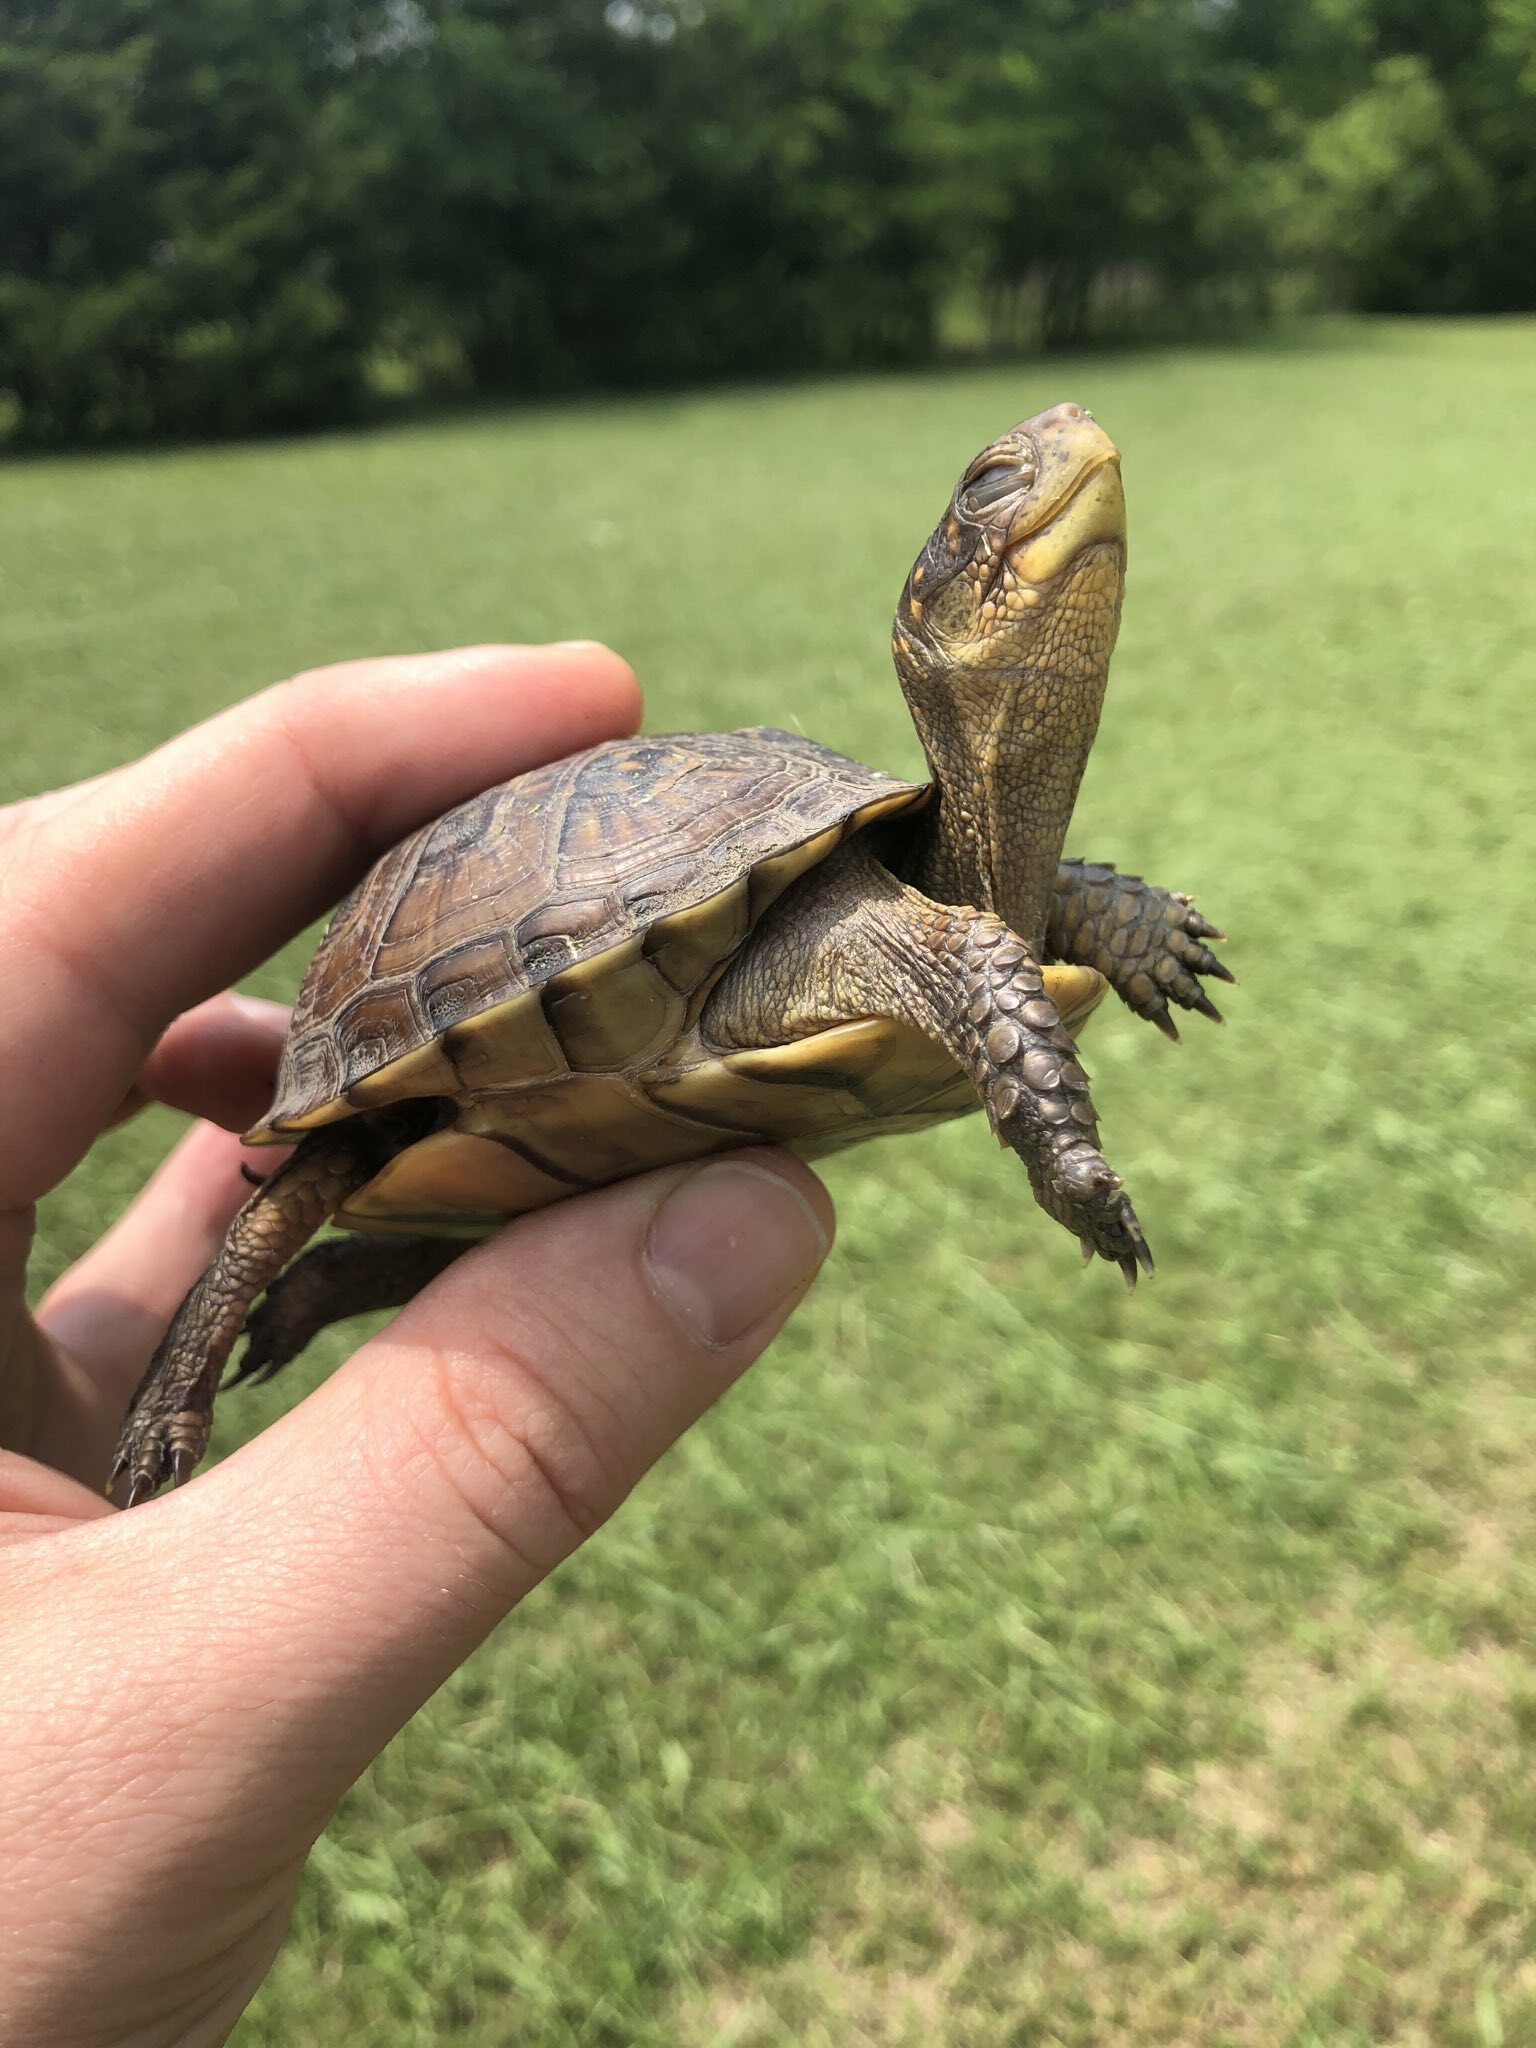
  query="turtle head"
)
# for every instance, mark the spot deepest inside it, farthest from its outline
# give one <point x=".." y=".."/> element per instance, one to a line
<point x="1002" y="641"/>
<point x="1037" y="518"/>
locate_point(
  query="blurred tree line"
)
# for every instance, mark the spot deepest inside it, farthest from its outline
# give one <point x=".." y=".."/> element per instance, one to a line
<point x="218" y="216"/>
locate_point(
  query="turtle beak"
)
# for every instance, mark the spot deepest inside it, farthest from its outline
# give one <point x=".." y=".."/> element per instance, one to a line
<point x="1078" y="501"/>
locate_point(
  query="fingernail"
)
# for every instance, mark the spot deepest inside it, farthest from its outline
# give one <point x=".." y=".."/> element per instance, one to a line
<point x="730" y="1245"/>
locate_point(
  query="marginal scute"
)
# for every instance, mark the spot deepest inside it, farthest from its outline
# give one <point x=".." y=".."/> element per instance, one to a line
<point x="453" y="986"/>
<point x="1076" y="992"/>
<point x="770" y="878"/>
<point x="507" y="1047"/>
<point x="565" y="920"/>
<point x="427" y="1071"/>
<point x="275" y="1130"/>
<point x="690" y="945"/>
<point x="826" y="1089"/>
<point x="618" y="1017"/>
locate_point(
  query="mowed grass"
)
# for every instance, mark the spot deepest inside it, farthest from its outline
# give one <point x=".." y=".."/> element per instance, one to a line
<point x="1007" y="1661"/>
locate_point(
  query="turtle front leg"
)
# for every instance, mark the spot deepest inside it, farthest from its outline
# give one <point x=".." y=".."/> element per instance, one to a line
<point x="166" y="1428"/>
<point x="1147" y="942"/>
<point x="1004" y="1030"/>
<point x="855" y="942"/>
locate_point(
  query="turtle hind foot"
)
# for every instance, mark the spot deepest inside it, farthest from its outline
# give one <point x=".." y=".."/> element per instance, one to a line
<point x="342" y="1277"/>
<point x="166" y="1429"/>
<point x="160" y="1441"/>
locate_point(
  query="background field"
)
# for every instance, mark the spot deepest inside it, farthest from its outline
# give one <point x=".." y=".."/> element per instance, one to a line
<point x="1007" y="1661"/>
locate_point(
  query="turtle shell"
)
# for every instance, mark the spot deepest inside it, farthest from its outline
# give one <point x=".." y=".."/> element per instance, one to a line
<point x="536" y="961"/>
<point x="571" y="920"/>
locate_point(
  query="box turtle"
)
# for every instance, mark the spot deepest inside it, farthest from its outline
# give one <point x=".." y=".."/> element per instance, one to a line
<point x="666" y="946"/>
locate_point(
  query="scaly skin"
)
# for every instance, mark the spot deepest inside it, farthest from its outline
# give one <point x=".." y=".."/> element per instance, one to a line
<point x="347" y="1276"/>
<point x="852" y="941"/>
<point x="166" y="1429"/>
<point x="1002" y="642"/>
<point x="1148" y="943"/>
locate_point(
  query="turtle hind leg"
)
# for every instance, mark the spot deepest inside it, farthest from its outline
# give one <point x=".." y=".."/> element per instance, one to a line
<point x="348" y="1276"/>
<point x="166" y="1428"/>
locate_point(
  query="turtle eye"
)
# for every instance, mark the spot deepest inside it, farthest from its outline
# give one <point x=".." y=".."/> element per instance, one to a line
<point x="998" y="481"/>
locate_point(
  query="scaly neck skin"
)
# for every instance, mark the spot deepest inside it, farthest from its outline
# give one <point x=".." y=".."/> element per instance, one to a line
<point x="1007" y="749"/>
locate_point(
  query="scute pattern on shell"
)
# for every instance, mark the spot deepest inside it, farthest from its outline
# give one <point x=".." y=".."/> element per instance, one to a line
<point x="556" y="867"/>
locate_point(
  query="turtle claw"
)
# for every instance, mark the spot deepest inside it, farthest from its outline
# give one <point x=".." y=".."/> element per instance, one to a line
<point x="1164" y="1022"/>
<point x="262" y="1358"/>
<point x="1185" y="959"/>
<point x="254" y="1370"/>
<point x="266" y="1351"/>
<point x="1088" y="1196"/>
<point x="160" y="1442"/>
<point x="1197" y="926"/>
<point x="140" y="1486"/>
<point x="1138" y="1259"/>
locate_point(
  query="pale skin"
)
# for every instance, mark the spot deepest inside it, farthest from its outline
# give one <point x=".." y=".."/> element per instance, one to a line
<point x="155" y="1826"/>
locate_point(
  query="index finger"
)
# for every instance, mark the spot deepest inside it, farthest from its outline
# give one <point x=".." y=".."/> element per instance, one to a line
<point x="145" y="891"/>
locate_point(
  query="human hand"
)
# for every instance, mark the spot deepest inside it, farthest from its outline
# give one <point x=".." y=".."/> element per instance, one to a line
<point x="188" y="1689"/>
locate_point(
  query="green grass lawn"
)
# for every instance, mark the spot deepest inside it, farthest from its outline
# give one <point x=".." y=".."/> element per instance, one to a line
<point x="1007" y="1661"/>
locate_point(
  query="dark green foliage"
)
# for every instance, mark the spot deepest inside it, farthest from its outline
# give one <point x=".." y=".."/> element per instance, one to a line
<point x="219" y="216"/>
<point x="185" y="213"/>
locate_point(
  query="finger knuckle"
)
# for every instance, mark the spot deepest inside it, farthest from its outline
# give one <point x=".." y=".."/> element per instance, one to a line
<point x="534" y="1469"/>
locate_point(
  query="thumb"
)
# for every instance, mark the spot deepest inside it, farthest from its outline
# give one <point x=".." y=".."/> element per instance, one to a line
<point x="327" y="1578"/>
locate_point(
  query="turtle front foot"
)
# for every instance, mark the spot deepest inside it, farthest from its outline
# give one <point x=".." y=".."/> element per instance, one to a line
<point x="1027" y="1073"/>
<point x="1148" y="943"/>
<point x="1176" y="958"/>
<point x="1081" y="1190"/>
